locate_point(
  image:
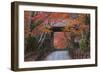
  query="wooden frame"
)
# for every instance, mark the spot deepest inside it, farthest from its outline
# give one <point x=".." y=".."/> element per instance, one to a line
<point x="15" y="35"/>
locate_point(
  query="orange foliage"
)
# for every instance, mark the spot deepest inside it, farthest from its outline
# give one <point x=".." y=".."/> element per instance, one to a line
<point x="59" y="16"/>
<point x="79" y="22"/>
<point x="46" y="30"/>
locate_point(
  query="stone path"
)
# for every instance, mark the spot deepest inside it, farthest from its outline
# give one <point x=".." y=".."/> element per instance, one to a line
<point x="58" y="55"/>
